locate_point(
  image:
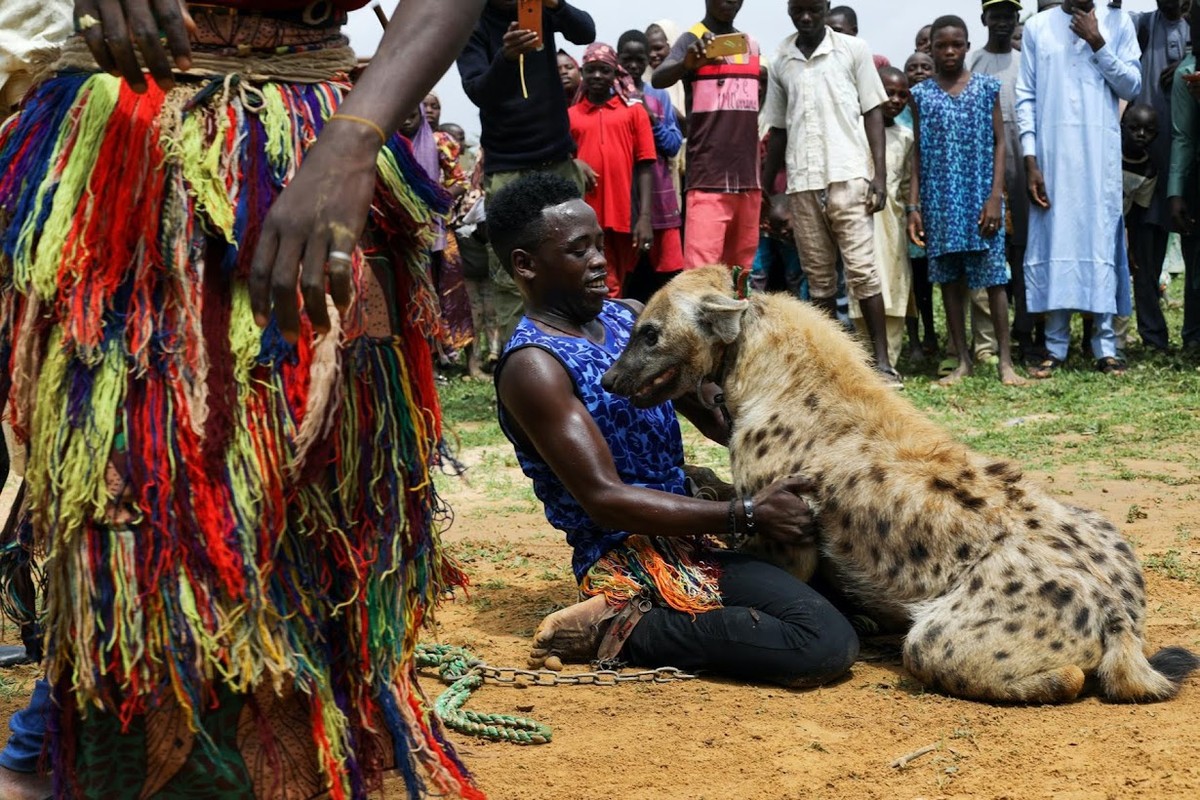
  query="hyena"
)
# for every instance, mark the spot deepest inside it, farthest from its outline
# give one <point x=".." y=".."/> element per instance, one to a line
<point x="1009" y="594"/>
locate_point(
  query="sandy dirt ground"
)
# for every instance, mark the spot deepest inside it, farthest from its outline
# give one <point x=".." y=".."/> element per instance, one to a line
<point x="715" y="740"/>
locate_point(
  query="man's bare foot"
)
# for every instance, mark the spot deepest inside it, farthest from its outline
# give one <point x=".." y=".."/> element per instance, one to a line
<point x="571" y="634"/>
<point x="963" y="370"/>
<point x="1009" y="376"/>
<point x="25" y="785"/>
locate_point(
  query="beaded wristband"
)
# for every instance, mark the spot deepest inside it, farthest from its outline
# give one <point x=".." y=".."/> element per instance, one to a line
<point x="748" y="508"/>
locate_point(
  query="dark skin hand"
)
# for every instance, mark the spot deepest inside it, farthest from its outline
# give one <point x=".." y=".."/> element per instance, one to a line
<point x="1181" y="216"/>
<point x="1085" y="25"/>
<point x="517" y="41"/>
<point x="541" y="401"/>
<point x="1036" y="182"/>
<point x="325" y="206"/>
<point x="129" y="25"/>
<point x="670" y="72"/>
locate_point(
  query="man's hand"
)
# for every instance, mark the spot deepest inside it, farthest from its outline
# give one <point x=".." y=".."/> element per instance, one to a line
<point x="112" y="28"/>
<point x="916" y="228"/>
<point x="697" y="54"/>
<point x="1036" y="183"/>
<point x="877" y="195"/>
<point x="1087" y="27"/>
<point x="991" y="217"/>
<point x="781" y="514"/>
<point x="313" y="217"/>
<point x="590" y="179"/>
<point x="1192" y="79"/>
<point x="643" y="234"/>
<point x="1167" y="76"/>
<point x="517" y="42"/>
<point x="1181" y="216"/>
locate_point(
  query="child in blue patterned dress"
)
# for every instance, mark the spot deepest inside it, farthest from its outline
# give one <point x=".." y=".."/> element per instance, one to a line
<point x="956" y="202"/>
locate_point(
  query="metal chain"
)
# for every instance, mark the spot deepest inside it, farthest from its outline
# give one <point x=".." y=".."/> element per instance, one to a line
<point x="465" y="674"/>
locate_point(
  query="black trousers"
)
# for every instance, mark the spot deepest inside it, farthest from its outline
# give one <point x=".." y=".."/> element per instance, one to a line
<point x="1148" y="244"/>
<point x="773" y="628"/>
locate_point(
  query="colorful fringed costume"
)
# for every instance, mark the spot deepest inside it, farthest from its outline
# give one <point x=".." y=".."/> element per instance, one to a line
<point x="240" y="533"/>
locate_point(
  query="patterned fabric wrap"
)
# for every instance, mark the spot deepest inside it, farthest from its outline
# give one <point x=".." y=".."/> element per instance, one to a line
<point x="623" y="85"/>
<point x="647" y="449"/>
<point x="240" y="534"/>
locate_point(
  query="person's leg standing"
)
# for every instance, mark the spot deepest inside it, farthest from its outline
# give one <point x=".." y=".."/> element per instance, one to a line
<point x="1190" y="245"/>
<point x="741" y="239"/>
<point x="1104" y="336"/>
<point x="1058" y="333"/>
<point x="816" y="247"/>
<point x="1149" y="246"/>
<point x="22" y="754"/>
<point x="621" y="258"/>
<point x="853" y="227"/>
<point x="772" y="628"/>
<point x="708" y="221"/>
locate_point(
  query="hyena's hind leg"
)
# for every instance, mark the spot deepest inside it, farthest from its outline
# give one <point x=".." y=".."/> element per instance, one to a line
<point x="998" y="644"/>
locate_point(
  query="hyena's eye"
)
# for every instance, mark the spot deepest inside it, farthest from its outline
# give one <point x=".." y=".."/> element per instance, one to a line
<point x="650" y="335"/>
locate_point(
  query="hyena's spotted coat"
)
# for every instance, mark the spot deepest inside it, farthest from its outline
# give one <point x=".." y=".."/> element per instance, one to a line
<point x="1011" y="595"/>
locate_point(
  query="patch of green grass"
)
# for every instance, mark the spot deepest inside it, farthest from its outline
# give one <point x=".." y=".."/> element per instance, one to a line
<point x="1173" y="565"/>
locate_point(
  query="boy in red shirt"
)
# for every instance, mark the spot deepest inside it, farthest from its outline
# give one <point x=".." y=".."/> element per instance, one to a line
<point x="613" y="135"/>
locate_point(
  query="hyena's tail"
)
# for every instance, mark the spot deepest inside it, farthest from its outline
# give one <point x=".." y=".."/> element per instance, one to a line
<point x="1127" y="675"/>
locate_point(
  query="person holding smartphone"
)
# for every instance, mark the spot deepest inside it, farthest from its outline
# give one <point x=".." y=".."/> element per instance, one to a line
<point x="720" y="72"/>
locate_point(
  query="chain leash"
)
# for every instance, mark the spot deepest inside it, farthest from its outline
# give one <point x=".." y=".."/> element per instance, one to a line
<point x="465" y="673"/>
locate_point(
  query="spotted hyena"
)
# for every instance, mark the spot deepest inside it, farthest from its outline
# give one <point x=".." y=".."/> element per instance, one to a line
<point x="1009" y="594"/>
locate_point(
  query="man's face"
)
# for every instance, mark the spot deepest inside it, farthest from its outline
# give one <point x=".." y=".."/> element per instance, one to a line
<point x="723" y="10"/>
<point x="840" y="24"/>
<point x="918" y="68"/>
<point x="1171" y="9"/>
<point x="634" y="58"/>
<point x="598" y="79"/>
<point x="897" y="96"/>
<point x="922" y="43"/>
<point x="1139" y="128"/>
<point x="1086" y="6"/>
<point x="660" y="47"/>
<point x="568" y="72"/>
<point x="1001" y="20"/>
<point x="808" y="16"/>
<point x="507" y="6"/>
<point x="949" y="49"/>
<point x="567" y="268"/>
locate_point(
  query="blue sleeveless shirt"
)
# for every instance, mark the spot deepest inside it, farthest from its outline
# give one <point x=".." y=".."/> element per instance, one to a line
<point x="646" y="444"/>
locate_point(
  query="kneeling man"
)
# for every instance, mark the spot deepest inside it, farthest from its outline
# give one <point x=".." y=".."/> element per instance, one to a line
<point x="611" y="477"/>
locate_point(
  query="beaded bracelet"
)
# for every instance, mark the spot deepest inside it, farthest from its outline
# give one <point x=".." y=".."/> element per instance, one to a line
<point x="748" y="508"/>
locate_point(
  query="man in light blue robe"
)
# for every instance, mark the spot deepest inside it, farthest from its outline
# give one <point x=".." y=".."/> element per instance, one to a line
<point x="1077" y="62"/>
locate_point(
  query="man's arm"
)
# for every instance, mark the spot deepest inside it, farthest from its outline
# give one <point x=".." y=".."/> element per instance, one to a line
<point x="576" y="26"/>
<point x="540" y="399"/>
<point x="873" y="120"/>
<point x="667" y="136"/>
<point x="1026" y="109"/>
<point x="1118" y="61"/>
<point x="776" y="154"/>
<point x="486" y="77"/>
<point x="687" y="55"/>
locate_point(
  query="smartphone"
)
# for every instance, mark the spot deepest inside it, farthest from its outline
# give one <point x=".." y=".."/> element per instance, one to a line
<point x="529" y="18"/>
<point x="728" y="44"/>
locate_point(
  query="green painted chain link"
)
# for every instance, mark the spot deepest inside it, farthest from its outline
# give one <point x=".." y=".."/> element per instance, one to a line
<point x="456" y="666"/>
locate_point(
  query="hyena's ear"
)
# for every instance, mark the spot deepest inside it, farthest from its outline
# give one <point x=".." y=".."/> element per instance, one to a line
<point x="722" y="315"/>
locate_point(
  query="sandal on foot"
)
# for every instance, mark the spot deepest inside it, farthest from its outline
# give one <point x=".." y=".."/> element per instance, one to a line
<point x="1045" y="368"/>
<point x="1110" y="366"/>
<point x="947" y="366"/>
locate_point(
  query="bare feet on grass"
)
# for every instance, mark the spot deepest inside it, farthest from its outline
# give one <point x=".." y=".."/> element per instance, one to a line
<point x="571" y="634"/>
<point x="963" y="370"/>
<point x="24" y="785"/>
<point x="1009" y="376"/>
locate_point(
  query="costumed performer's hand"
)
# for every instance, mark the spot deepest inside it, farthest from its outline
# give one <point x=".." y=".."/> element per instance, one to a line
<point x="312" y="229"/>
<point x="112" y="28"/>
<point x="781" y="513"/>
